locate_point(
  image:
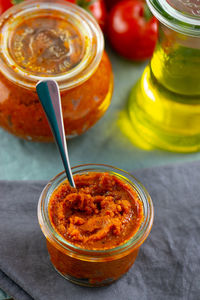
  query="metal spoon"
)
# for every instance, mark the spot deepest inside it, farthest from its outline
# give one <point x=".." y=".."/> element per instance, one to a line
<point x="49" y="95"/>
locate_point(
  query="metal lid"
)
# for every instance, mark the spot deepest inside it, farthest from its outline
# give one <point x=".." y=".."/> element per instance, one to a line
<point x="42" y="39"/>
<point x="180" y="15"/>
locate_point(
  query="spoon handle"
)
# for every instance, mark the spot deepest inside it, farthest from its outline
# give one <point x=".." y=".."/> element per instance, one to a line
<point x="49" y="95"/>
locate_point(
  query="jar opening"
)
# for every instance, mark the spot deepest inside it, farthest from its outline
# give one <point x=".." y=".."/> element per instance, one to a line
<point x="180" y="15"/>
<point x="49" y="39"/>
<point x="46" y="45"/>
<point x="188" y="8"/>
<point x="135" y="241"/>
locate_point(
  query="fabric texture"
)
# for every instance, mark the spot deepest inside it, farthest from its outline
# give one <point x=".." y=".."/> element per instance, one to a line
<point x="168" y="264"/>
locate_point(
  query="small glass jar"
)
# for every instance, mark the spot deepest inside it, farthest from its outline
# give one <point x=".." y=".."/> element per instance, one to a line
<point x="52" y="39"/>
<point x="93" y="267"/>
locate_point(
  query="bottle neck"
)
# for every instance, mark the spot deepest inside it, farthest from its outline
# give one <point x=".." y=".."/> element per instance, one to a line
<point x="181" y="16"/>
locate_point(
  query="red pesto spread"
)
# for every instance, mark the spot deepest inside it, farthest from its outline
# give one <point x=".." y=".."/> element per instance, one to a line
<point x="102" y="212"/>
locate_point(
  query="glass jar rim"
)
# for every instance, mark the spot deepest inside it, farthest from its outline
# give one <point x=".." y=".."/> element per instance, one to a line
<point x="175" y="19"/>
<point x="85" y="24"/>
<point x="135" y="241"/>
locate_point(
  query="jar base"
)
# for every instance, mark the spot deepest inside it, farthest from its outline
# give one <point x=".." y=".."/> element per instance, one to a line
<point x="164" y="119"/>
<point x="85" y="282"/>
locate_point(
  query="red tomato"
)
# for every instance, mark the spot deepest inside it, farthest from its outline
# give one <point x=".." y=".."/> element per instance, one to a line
<point x="110" y="3"/>
<point x="130" y="32"/>
<point x="4" y="5"/>
<point x="97" y="8"/>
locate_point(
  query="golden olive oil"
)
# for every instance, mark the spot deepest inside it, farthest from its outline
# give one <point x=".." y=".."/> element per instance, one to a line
<point x="164" y="105"/>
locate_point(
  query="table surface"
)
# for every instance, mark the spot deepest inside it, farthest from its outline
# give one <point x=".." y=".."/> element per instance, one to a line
<point x="107" y="142"/>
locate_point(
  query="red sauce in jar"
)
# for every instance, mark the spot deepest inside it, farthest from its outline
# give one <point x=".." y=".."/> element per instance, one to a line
<point x="21" y="112"/>
<point x="102" y="212"/>
<point x="59" y="41"/>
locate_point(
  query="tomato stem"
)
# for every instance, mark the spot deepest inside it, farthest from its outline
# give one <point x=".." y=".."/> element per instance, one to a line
<point x="85" y="3"/>
<point x="16" y="1"/>
<point x="147" y="13"/>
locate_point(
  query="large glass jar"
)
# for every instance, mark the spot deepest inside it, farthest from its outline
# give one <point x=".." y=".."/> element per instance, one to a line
<point x="56" y="39"/>
<point x="164" y="105"/>
<point x="93" y="267"/>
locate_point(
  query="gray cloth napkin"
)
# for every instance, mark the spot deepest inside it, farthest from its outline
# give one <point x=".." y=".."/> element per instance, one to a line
<point x="168" y="265"/>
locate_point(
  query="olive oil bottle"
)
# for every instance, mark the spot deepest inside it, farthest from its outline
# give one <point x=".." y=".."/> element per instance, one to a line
<point x="164" y="105"/>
